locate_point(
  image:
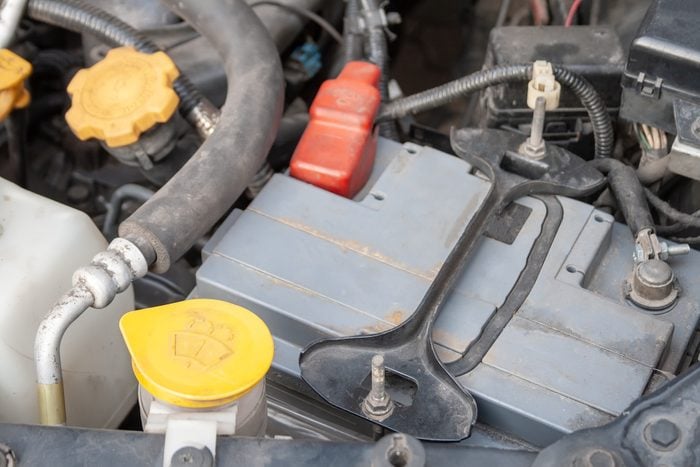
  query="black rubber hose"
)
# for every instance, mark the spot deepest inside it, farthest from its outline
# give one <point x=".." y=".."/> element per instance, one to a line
<point x="203" y="190"/>
<point x="628" y="192"/>
<point x="83" y="17"/>
<point x="435" y="97"/>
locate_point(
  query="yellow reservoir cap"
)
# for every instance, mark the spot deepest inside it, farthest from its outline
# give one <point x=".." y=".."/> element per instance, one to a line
<point x="122" y="96"/>
<point x="197" y="353"/>
<point x="13" y="71"/>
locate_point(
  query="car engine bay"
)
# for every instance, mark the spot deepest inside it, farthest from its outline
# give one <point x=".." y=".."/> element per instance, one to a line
<point x="350" y="232"/>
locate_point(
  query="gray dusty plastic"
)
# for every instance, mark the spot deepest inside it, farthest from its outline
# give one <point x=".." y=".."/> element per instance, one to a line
<point x="313" y="264"/>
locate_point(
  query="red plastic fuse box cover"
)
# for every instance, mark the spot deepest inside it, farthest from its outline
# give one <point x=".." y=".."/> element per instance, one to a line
<point x="336" y="151"/>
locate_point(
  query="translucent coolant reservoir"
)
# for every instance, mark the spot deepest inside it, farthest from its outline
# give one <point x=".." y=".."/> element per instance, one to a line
<point x="41" y="244"/>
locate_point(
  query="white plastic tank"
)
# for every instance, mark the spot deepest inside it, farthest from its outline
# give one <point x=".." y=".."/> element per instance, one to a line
<point x="42" y="243"/>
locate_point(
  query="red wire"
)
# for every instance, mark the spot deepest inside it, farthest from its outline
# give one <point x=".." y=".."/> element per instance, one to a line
<point x="572" y="13"/>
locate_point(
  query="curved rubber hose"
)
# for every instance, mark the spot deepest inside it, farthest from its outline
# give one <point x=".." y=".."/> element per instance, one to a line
<point x="435" y="97"/>
<point x="80" y="16"/>
<point x="628" y="192"/>
<point x="203" y="190"/>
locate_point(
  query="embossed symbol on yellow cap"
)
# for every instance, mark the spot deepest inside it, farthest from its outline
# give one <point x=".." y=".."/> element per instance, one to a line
<point x="203" y="343"/>
<point x="197" y="353"/>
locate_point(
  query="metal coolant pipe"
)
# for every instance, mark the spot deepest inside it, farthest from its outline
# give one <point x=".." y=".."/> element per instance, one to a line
<point x="96" y="285"/>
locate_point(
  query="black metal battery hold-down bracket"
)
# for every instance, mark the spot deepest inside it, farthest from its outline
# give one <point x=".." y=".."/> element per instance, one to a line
<point x="439" y="408"/>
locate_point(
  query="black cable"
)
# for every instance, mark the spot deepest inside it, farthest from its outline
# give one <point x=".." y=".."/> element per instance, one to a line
<point x="304" y="13"/>
<point x="682" y="218"/>
<point x="435" y="97"/>
<point x="595" y="107"/>
<point x="352" y="36"/>
<point x="669" y="229"/>
<point x="443" y="94"/>
<point x="379" y="55"/>
<point x="688" y="240"/>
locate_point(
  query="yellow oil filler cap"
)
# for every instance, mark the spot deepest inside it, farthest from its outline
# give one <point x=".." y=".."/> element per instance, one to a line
<point x="197" y="353"/>
<point x="122" y="96"/>
<point x="13" y="71"/>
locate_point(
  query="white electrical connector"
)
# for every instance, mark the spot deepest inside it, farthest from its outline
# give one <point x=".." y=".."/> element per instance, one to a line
<point x="543" y="84"/>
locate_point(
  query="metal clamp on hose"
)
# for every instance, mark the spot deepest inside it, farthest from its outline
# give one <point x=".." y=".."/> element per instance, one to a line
<point x="96" y="285"/>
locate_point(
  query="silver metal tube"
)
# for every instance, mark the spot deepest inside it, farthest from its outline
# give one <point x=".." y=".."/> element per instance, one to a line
<point x="47" y="353"/>
<point x="678" y="250"/>
<point x="10" y="15"/>
<point x="53" y="327"/>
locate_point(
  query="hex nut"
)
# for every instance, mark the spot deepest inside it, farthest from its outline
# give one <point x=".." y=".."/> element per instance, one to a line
<point x="662" y="433"/>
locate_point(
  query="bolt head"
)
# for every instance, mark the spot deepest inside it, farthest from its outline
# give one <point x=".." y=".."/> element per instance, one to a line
<point x="189" y="456"/>
<point x="663" y="433"/>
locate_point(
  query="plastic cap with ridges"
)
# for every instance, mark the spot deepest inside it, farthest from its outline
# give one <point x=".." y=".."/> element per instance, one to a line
<point x="197" y="353"/>
<point x="122" y="96"/>
<point x="13" y="71"/>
